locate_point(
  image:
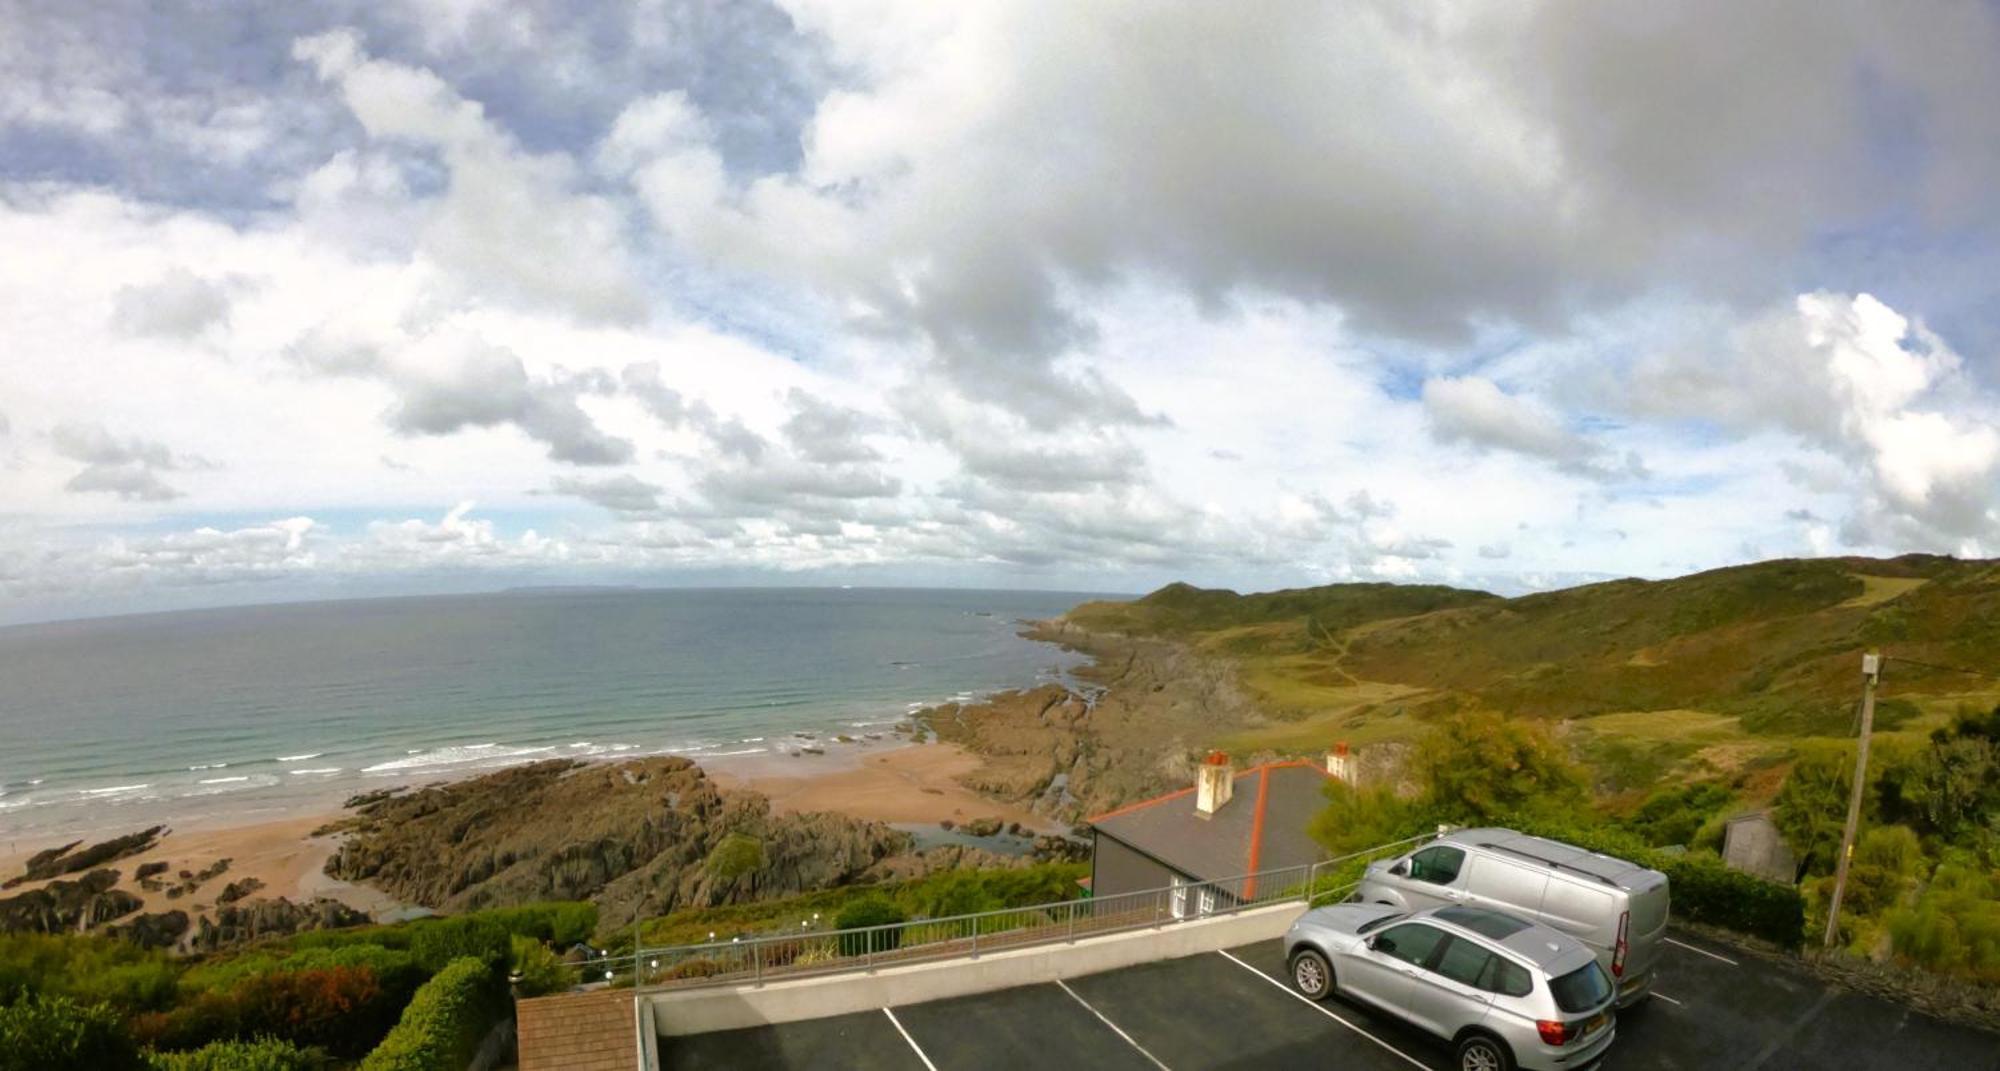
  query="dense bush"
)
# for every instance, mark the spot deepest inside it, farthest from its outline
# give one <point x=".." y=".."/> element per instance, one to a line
<point x="41" y="1033"/>
<point x="1477" y="767"/>
<point x="539" y="968"/>
<point x="869" y="911"/>
<point x="342" y="1009"/>
<point x="1954" y="927"/>
<point x="561" y="923"/>
<point x="88" y="969"/>
<point x="445" y="1022"/>
<point x="262" y="1054"/>
<point x="437" y="942"/>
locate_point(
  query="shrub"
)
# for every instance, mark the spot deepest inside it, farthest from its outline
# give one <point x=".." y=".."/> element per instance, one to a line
<point x="445" y="1022"/>
<point x="342" y="1009"/>
<point x="42" y="1033"/>
<point x="481" y="937"/>
<point x="262" y="1054"/>
<point x="539" y="969"/>
<point x="558" y="922"/>
<point x="1476" y="767"/>
<point x="88" y="969"/>
<point x="869" y="911"/>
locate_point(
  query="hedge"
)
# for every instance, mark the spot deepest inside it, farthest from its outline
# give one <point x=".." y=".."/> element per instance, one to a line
<point x="40" y="1033"/>
<point x="445" y="1022"/>
<point x="263" y="1054"/>
<point x="869" y="911"/>
<point x="1704" y="889"/>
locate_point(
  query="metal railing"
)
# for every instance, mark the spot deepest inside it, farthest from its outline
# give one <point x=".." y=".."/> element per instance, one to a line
<point x="809" y="950"/>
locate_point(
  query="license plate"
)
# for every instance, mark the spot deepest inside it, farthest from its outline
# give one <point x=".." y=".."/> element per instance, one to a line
<point x="1630" y="985"/>
<point x="1595" y="1023"/>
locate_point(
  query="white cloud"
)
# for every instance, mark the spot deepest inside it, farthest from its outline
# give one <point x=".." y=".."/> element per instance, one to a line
<point x="1475" y="410"/>
<point x="179" y="305"/>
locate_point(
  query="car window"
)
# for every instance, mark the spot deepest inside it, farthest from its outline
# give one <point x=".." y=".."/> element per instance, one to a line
<point x="1505" y="976"/>
<point x="1437" y="864"/>
<point x="1375" y="924"/>
<point x="1411" y="942"/>
<point x="1463" y="962"/>
<point x="1581" y="990"/>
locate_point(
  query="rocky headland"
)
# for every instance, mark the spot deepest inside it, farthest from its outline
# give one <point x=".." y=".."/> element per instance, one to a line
<point x="1133" y="724"/>
<point x="639" y="838"/>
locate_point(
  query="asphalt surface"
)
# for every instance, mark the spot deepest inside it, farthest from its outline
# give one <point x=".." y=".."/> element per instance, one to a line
<point x="1713" y="1009"/>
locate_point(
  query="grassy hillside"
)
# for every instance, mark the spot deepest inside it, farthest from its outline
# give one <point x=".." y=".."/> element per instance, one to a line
<point x="1728" y="668"/>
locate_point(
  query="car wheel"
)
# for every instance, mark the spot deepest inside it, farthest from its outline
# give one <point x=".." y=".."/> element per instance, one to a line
<point x="1312" y="974"/>
<point x="1479" y="1053"/>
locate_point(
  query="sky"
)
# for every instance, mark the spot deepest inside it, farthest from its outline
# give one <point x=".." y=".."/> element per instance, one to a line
<point x="304" y="301"/>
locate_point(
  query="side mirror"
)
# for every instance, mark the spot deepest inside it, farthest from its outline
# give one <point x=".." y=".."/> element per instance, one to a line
<point x="1401" y="869"/>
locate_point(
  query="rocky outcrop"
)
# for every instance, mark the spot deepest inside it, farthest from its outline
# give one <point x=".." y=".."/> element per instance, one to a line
<point x="64" y="906"/>
<point x="1132" y="727"/>
<point x="237" y="890"/>
<point x="635" y="837"/>
<point x="56" y="862"/>
<point x="158" y="930"/>
<point x="235" y="924"/>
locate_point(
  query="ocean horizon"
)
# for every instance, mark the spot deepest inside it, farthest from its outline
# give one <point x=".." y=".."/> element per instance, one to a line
<point x="261" y="710"/>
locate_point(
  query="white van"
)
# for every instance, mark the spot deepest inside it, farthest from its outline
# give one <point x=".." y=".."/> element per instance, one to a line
<point x="1617" y="908"/>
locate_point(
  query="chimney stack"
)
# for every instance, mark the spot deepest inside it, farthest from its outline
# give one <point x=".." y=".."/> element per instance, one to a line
<point x="1340" y="763"/>
<point x="1214" y="780"/>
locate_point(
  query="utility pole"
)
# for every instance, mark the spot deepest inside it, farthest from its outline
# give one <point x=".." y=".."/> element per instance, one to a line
<point x="1871" y="671"/>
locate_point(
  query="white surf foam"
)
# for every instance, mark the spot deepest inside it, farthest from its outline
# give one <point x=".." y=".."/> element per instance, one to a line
<point x="301" y="758"/>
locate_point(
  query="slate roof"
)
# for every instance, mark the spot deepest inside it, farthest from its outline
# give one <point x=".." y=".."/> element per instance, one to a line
<point x="1262" y="827"/>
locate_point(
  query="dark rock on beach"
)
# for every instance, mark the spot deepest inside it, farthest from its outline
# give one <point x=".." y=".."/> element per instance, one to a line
<point x="64" y="906"/>
<point x="56" y="862"/>
<point x="157" y="930"/>
<point x="235" y="924"/>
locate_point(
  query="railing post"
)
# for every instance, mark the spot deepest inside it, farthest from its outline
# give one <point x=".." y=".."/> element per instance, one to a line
<point x="1072" y="922"/>
<point x="757" y="962"/>
<point x="868" y="943"/>
<point x="975" y="936"/>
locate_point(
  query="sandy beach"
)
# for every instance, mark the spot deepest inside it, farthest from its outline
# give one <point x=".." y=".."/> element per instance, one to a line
<point x="888" y="782"/>
<point x="908" y="783"/>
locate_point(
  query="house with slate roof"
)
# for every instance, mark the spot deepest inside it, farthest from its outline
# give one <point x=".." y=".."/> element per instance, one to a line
<point x="1229" y="824"/>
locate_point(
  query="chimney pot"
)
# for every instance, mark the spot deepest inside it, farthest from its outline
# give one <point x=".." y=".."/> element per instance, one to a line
<point x="1214" y="782"/>
<point x="1340" y="764"/>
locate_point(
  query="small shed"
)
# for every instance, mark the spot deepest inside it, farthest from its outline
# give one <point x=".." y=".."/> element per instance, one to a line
<point x="1752" y="843"/>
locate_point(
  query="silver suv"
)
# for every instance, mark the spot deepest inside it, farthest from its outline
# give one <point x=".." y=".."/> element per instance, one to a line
<point x="1505" y="992"/>
<point x="1617" y="908"/>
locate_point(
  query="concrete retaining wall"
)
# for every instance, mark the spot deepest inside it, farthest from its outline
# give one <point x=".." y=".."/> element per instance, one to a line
<point x="700" y="1011"/>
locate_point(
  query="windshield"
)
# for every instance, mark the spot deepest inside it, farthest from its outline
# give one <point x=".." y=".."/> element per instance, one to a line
<point x="1581" y="990"/>
<point x="1375" y="924"/>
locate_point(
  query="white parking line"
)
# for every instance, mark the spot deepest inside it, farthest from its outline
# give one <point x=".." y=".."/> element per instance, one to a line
<point x="897" y="1023"/>
<point x="1668" y="999"/>
<point x="1288" y="991"/>
<point x="1114" y="1026"/>
<point x="1700" y="951"/>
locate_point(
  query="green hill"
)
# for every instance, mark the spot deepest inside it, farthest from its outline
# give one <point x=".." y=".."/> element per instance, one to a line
<point x="1727" y="667"/>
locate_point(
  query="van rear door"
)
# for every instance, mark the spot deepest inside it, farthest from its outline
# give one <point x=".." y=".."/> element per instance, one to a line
<point x="1649" y="901"/>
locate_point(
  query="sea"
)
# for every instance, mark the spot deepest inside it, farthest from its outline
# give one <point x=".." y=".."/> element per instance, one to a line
<point x="249" y="712"/>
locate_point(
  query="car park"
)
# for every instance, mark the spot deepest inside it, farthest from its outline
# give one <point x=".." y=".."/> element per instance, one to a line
<point x="1617" y="908"/>
<point x="1502" y="991"/>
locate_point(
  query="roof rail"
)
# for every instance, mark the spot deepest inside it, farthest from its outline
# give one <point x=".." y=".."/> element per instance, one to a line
<point x="1550" y="863"/>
